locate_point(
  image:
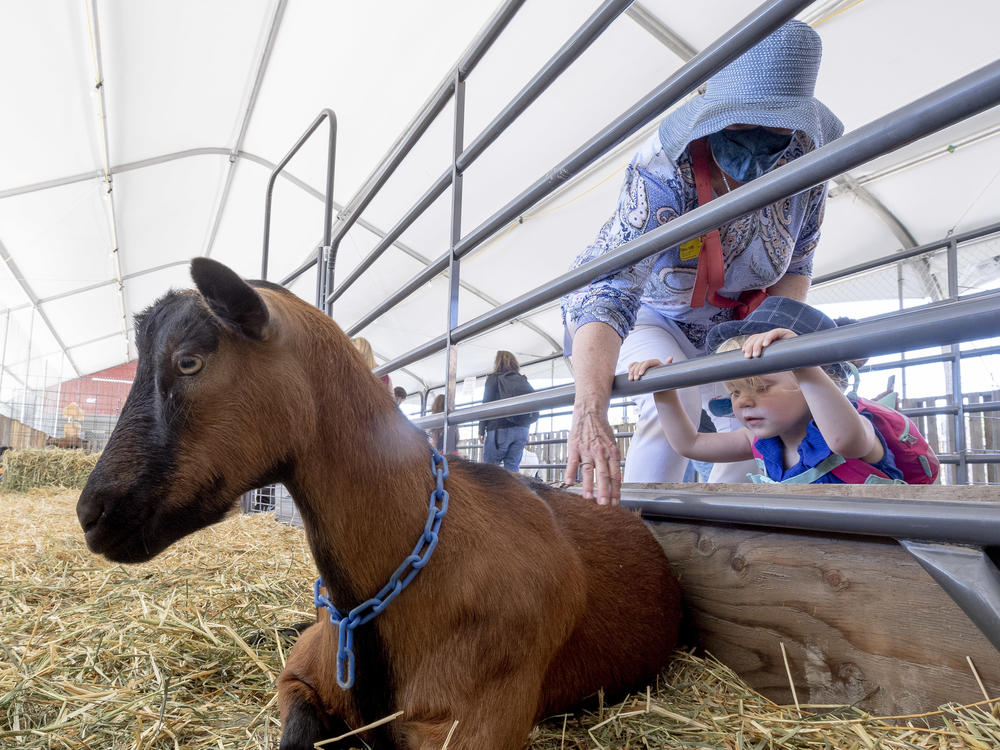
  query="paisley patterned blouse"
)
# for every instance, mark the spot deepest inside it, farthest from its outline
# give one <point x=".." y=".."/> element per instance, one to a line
<point x="758" y="248"/>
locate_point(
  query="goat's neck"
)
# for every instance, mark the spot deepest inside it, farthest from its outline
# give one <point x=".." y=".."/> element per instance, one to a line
<point x="362" y="484"/>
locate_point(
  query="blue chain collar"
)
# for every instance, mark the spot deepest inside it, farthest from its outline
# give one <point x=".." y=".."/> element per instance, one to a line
<point x="397" y="581"/>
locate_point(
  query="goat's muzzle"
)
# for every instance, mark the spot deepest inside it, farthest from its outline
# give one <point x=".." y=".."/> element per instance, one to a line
<point x="89" y="510"/>
<point x="109" y="531"/>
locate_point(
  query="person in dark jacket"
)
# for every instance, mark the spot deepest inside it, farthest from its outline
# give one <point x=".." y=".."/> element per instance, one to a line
<point x="505" y="437"/>
<point x="436" y="434"/>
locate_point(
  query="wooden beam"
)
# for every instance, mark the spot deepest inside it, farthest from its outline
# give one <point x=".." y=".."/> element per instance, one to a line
<point x="861" y="621"/>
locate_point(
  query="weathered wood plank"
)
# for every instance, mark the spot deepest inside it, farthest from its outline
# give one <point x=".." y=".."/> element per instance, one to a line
<point x="861" y="621"/>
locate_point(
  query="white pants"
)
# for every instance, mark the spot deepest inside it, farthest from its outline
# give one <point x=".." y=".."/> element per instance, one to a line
<point x="650" y="457"/>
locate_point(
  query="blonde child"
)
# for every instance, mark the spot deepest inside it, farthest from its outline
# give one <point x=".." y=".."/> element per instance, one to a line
<point x="365" y="348"/>
<point x="798" y="424"/>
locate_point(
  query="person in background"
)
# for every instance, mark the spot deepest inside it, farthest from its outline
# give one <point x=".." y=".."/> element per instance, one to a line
<point x="365" y="348"/>
<point x="504" y="438"/>
<point x="797" y="425"/>
<point x="757" y="114"/>
<point x="399" y="393"/>
<point x="436" y="434"/>
<point x="699" y="471"/>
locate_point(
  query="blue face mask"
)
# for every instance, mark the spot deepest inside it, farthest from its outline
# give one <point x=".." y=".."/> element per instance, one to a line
<point x="747" y="154"/>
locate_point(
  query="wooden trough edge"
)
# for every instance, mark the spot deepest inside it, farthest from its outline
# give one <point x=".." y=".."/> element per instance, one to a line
<point x="844" y="619"/>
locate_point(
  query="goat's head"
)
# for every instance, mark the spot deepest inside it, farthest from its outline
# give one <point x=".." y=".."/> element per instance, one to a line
<point x="191" y="436"/>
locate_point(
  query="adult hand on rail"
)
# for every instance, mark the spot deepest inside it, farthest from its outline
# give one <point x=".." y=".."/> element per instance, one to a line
<point x="591" y="444"/>
<point x="593" y="450"/>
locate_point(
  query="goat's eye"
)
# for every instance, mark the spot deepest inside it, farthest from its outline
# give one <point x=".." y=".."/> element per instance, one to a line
<point x="189" y="364"/>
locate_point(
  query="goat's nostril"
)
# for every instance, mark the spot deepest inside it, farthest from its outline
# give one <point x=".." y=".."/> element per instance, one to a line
<point x="88" y="511"/>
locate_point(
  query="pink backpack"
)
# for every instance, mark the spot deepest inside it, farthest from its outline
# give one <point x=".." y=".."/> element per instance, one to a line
<point x="912" y="453"/>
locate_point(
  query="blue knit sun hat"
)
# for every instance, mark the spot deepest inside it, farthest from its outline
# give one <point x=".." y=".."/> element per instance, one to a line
<point x="771" y="84"/>
<point x="773" y="312"/>
<point x="776" y="312"/>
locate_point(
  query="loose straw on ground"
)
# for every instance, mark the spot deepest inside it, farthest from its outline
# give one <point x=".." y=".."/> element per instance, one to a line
<point x="359" y="730"/>
<point x="791" y="682"/>
<point x="979" y="681"/>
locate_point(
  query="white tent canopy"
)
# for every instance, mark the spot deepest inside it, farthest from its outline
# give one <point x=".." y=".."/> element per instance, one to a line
<point x="141" y="133"/>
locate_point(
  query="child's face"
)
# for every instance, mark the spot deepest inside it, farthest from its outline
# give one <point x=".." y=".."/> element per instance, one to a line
<point x="772" y="405"/>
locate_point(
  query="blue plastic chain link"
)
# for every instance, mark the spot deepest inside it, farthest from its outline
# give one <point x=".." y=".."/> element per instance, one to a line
<point x="397" y="581"/>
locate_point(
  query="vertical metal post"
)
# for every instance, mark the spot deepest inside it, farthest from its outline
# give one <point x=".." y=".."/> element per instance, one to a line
<point x="27" y="367"/>
<point x="56" y="414"/>
<point x="320" y="277"/>
<point x="899" y="297"/>
<point x="3" y="354"/>
<point x="329" y="248"/>
<point x="451" y="376"/>
<point x="962" y="469"/>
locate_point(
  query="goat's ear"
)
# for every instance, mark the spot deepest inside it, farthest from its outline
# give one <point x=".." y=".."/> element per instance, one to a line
<point x="230" y="298"/>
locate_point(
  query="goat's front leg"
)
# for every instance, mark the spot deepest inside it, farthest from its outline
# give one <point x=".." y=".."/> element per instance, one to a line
<point x="303" y="721"/>
<point x="312" y="709"/>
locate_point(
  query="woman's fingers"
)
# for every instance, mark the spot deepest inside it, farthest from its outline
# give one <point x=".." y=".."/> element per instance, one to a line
<point x="592" y="449"/>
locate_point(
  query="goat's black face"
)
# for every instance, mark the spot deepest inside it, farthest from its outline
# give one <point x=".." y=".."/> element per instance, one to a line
<point x="163" y="474"/>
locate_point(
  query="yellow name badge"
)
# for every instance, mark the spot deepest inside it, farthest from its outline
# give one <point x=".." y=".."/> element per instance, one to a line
<point x="691" y="249"/>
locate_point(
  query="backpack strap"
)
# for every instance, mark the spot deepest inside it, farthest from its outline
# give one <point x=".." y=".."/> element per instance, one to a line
<point x="809" y="476"/>
<point x="761" y="478"/>
<point x="856" y="471"/>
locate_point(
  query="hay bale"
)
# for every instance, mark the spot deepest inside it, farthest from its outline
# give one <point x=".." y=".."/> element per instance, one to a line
<point x="181" y="652"/>
<point x="27" y="469"/>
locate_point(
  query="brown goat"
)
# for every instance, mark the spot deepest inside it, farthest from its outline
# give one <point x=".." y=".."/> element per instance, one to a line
<point x="533" y="600"/>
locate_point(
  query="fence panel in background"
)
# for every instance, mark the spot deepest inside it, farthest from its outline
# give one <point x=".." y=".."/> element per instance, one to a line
<point x="274" y="498"/>
<point x="983" y="431"/>
<point x="17" y="435"/>
<point x="77" y="413"/>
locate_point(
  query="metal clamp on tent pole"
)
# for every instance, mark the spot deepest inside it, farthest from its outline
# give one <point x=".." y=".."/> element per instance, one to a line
<point x="969" y="576"/>
<point x="328" y="256"/>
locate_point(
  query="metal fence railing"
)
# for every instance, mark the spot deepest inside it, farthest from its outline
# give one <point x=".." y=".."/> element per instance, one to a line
<point x="960" y="99"/>
<point x="950" y="268"/>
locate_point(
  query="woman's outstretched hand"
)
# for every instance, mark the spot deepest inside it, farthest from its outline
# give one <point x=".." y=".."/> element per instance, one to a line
<point x="591" y="445"/>
<point x="592" y="448"/>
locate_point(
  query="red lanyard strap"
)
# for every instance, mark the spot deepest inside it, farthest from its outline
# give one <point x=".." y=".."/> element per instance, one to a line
<point x="711" y="270"/>
<point x="711" y="274"/>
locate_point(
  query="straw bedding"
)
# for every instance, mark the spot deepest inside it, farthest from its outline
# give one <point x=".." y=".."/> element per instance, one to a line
<point x="182" y="652"/>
